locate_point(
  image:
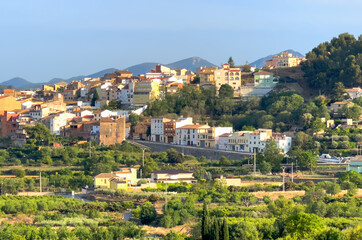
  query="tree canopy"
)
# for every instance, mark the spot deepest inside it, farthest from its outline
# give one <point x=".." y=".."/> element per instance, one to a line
<point x="339" y="60"/>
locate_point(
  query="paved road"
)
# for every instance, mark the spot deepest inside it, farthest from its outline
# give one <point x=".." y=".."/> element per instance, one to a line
<point x="212" y="154"/>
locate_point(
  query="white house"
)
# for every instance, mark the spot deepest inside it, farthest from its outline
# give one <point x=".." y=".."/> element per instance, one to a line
<point x="125" y="95"/>
<point x="283" y="142"/>
<point x="224" y="140"/>
<point x="27" y="105"/>
<point x="187" y="135"/>
<point x="157" y="129"/>
<point x="57" y="121"/>
<point x="354" y="92"/>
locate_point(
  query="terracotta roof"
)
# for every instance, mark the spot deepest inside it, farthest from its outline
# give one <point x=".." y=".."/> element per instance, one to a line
<point x="171" y="171"/>
<point x="192" y="126"/>
<point x="225" y="135"/>
<point x="104" y="175"/>
<point x="353" y="90"/>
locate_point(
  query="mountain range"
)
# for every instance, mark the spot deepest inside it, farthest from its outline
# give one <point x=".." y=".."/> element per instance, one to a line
<point x="191" y="64"/>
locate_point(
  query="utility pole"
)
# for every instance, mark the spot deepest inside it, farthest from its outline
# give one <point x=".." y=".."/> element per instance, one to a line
<point x="254" y="162"/>
<point x="40" y="182"/>
<point x="292" y="173"/>
<point x="90" y="150"/>
<point x="143" y="162"/>
<point x="166" y="198"/>
<point x="283" y="168"/>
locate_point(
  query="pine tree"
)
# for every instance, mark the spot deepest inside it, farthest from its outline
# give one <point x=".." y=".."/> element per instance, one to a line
<point x="231" y="62"/>
<point x="205" y="223"/>
<point x="225" y="230"/>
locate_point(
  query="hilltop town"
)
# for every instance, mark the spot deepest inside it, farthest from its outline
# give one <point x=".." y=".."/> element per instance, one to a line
<point x="224" y="152"/>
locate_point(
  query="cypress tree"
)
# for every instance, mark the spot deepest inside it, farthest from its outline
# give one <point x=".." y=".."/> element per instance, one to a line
<point x="216" y="229"/>
<point x="205" y="223"/>
<point x="225" y="230"/>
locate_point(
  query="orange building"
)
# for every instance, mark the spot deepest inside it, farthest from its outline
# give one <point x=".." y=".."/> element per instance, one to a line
<point x="9" y="103"/>
<point x="140" y="130"/>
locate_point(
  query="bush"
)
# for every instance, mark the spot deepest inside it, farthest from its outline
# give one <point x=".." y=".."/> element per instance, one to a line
<point x="153" y="198"/>
<point x="148" y="213"/>
<point x="19" y="173"/>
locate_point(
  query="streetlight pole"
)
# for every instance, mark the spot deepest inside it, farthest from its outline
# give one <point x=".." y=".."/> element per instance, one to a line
<point x="254" y="162"/>
<point x="283" y="168"/>
<point x="143" y="162"/>
<point x="40" y="182"/>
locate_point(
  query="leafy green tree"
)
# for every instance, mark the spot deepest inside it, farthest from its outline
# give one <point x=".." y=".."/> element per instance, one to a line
<point x="333" y="188"/>
<point x="302" y="225"/>
<point x="273" y="155"/>
<point x="265" y="167"/>
<point x="174" y="156"/>
<point x="226" y="91"/>
<point x="331" y="234"/>
<point x="19" y="173"/>
<point x="339" y="92"/>
<point x="38" y="135"/>
<point x="244" y="231"/>
<point x="148" y="213"/>
<point x="351" y="176"/>
<point x="224" y="161"/>
<point x="307" y="160"/>
<point x="318" y="125"/>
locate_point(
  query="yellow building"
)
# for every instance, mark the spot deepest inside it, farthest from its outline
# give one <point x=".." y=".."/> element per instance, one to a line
<point x="127" y="175"/>
<point x="118" y="184"/>
<point x="9" y="103"/>
<point x="283" y="60"/>
<point x="206" y="75"/>
<point x="230" y="76"/>
<point x="209" y="137"/>
<point x="102" y="180"/>
<point x="146" y="91"/>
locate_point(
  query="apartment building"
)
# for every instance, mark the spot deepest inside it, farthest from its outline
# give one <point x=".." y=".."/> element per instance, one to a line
<point x="55" y="121"/>
<point x="209" y="137"/>
<point x="146" y="91"/>
<point x="229" y="76"/>
<point x="283" y="60"/>
<point x="206" y="75"/>
<point x="187" y="135"/>
<point x="171" y="126"/>
<point x="158" y="129"/>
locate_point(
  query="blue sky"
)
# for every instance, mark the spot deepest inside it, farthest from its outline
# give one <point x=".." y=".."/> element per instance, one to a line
<point x="42" y="39"/>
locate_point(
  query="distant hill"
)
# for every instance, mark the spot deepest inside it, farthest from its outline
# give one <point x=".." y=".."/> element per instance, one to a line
<point x="141" y="68"/>
<point x="261" y="62"/>
<point x="17" y="82"/>
<point x="81" y="77"/>
<point x="191" y="64"/>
